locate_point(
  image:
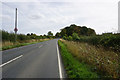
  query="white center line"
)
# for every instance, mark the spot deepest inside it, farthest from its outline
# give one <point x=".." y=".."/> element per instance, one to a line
<point x="10" y="61"/>
<point x="40" y="46"/>
<point x="59" y="63"/>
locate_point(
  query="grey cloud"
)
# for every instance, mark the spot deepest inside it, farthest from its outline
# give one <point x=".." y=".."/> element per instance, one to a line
<point x="36" y="16"/>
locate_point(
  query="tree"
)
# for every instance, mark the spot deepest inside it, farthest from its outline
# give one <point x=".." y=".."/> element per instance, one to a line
<point x="50" y="33"/>
<point x="33" y="36"/>
<point x="28" y="34"/>
<point x="63" y="32"/>
<point x="57" y="35"/>
<point x="31" y="33"/>
<point x="81" y="31"/>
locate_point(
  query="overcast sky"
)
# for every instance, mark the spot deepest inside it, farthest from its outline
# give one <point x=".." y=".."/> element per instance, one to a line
<point x="41" y="16"/>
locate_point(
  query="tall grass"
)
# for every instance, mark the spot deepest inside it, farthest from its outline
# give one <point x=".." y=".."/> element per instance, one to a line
<point x="8" y="45"/>
<point x="73" y="67"/>
<point x="102" y="60"/>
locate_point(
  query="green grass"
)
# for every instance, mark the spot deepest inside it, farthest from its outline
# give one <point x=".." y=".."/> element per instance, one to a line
<point x="18" y="45"/>
<point x="73" y="67"/>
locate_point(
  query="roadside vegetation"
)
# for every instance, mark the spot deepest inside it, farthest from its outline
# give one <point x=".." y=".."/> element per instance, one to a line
<point x="73" y="32"/>
<point x="108" y="41"/>
<point x="74" y="68"/>
<point x="10" y="45"/>
<point x="102" y="52"/>
<point x="105" y="62"/>
<point x="8" y="39"/>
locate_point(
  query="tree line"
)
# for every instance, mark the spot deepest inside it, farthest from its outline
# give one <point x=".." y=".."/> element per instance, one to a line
<point x="83" y="34"/>
<point x="6" y="36"/>
<point x="73" y="31"/>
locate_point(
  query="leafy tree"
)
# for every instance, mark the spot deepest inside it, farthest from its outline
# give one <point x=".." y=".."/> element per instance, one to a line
<point x="50" y="33"/>
<point x="28" y="34"/>
<point x="63" y="32"/>
<point x="57" y="35"/>
<point x="64" y="37"/>
<point x="33" y="36"/>
<point x="84" y="30"/>
<point x="5" y="35"/>
<point x="31" y="33"/>
<point x="81" y="31"/>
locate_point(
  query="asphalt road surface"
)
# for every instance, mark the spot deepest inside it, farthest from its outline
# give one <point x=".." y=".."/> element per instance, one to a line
<point x="41" y="60"/>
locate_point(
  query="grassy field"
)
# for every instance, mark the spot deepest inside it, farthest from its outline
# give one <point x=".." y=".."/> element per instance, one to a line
<point x="103" y="61"/>
<point x="9" y="45"/>
<point x="74" y="68"/>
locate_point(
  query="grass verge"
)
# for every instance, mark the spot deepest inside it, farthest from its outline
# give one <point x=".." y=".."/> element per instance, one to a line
<point x="105" y="62"/>
<point x="18" y="45"/>
<point x="73" y="67"/>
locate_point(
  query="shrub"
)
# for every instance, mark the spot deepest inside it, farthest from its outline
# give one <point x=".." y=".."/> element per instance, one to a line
<point x="70" y="38"/>
<point x="111" y="41"/>
<point x="64" y="37"/>
<point x="75" y="36"/>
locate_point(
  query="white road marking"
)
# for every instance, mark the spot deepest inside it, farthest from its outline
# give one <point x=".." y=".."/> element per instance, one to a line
<point x="10" y="61"/>
<point x="59" y="63"/>
<point x="40" y="46"/>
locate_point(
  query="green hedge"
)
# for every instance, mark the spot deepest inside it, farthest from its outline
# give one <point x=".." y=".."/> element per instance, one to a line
<point x="111" y="41"/>
<point x="6" y="36"/>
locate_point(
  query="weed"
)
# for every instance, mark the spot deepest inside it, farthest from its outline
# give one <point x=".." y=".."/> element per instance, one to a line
<point x="102" y="60"/>
<point x="73" y="67"/>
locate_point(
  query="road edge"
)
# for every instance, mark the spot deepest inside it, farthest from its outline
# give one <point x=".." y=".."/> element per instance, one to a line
<point x="59" y="61"/>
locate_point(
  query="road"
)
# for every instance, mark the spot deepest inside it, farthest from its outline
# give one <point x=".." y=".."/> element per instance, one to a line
<point x="41" y="60"/>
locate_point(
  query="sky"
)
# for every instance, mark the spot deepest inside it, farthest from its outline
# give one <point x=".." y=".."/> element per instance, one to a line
<point x="41" y="16"/>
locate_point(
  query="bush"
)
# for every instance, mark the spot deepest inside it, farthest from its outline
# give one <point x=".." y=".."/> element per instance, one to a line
<point x="111" y="41"/>
<point x="20" y="37"/>
<point x="64" y="37"/>
<point x="70" y="38"/>
<point x="75" y="36"/>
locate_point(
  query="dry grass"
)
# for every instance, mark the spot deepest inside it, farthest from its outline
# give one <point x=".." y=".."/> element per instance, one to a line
<point x="8" y="43"/>
<point x="105" y="61"/>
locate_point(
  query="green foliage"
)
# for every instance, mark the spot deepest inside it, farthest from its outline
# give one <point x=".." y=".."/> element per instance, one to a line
<point x="33" y="36"/>
<point x="21" y="37"/>
<point x="11" y="36"/>
<point x="70" y="38"/>
<point x="64" y="37"/>
<point x="57" y="35"/>
<point x="73" y="67"/>
<point x="84" y="34"/>
<point x="50" y="33"/>
<point x="5" y="35"/>
<point x="75" y="36"/>
<point x="111" y="41"/>
<point x="84" y="31"/>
